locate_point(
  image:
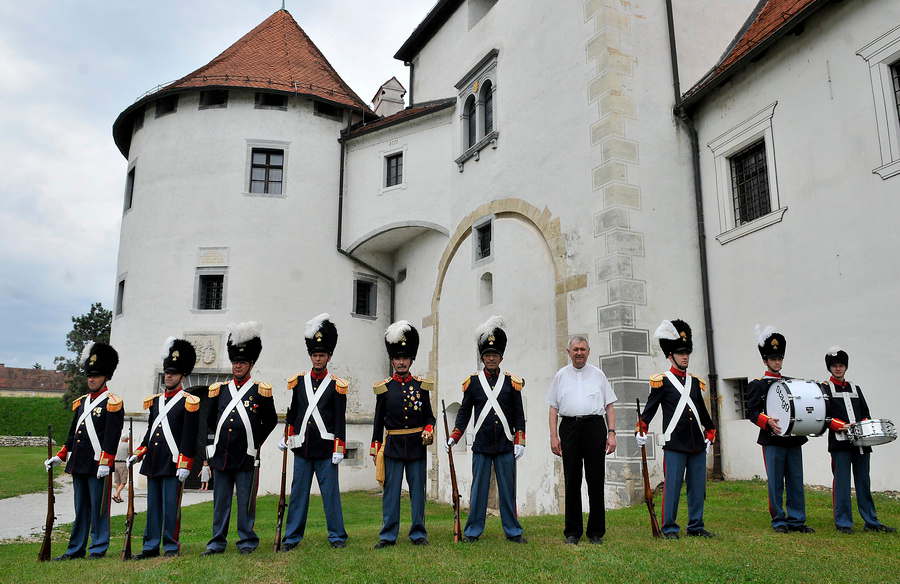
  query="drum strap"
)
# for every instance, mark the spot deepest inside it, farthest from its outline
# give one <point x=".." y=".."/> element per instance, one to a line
<point x="848" y="405"/>
<point x="685" y="400"/>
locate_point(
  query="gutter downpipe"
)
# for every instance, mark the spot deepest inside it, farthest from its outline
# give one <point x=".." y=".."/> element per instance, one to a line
<point x="340" y="223"/>
<point x="685" y="118"/>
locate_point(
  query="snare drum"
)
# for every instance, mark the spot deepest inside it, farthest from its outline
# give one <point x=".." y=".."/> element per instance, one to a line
<point x="799" y="407"/>
<point x="872" y="432"/>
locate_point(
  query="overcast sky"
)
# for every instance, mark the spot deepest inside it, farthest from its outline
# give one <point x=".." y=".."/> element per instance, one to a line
<point x="67" y="68"/>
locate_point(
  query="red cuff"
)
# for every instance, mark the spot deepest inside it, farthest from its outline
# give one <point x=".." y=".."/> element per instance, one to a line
<point x="520" y="438"/>
<point x="711" y="434"/>
<point x="185" y="462"/>
<point x="291" y="431"/>
<point x="762" y="421"/>
<point x="837" y="424"/>
<point x="456" y="434"/>
<point x="429" y="428"/>
<point x="641" y="427"/>
<point x="63" y="453"/>
<point x="140" y="452"/>
<point x="107" y="459"/>
<point x="340" y="446"/>
<point x="374" y="448"/>
<point x="864" y="419"/>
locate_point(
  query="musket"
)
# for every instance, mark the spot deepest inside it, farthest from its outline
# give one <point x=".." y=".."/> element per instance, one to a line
<point x="251" y="507"/>
<point x="457" y="529"/>
<point x="178" y="513"/>
<point x="648" y="491"/>
<point x="45" y="554"/>
<point x="129" y="514"/>
<point x="281" y="503"/>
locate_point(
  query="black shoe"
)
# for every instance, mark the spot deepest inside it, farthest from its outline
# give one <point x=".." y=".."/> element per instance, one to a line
<point x="423" y="541"/>
<point x="469" y="539"/>
<point x="670" y="536"/>
<point x="571" y="539"/>
<point x="147" y="555"/>
<point x="701" y="533"/>
<point x="247" y="551"/>
<point x="595" y="540"/>
<point x="880" y="528"/>
<point x="847" y="530"/>
<point x="383" y="544"/>
<point x="801" y="529"/>
<point x="65" y="557"/>
<point x="517" y="539"/>
<point x="96" y="555"/>
<point x="171" y="554"/>
<point x="780" y="529"/>
<point x="339" y="544"/>
<point x="286" y="547"/>
<point x="210" y="552"/>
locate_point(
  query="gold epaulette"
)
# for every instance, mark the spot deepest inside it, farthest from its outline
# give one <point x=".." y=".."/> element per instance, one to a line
<point x="77" y="403"/>
<point x="292" y="383"/>
<point x="380" y="387"/>
<point x="656" y="381"/>
<point x="466" y="382"/>
<point x="340" y="385"/>
<point x="426" y="384"/>
<point x="702" y="382"/>
<point x="264" y="389"/>
<point x="114" y="403"/>
<point x="149" y="401"/>
<point x="214" y="389"/>
<point x="191" y="402"/>
<point x="517" y="382"/>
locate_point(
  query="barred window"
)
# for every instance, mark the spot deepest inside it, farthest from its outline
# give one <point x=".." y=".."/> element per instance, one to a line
<point x="393" y="170"/>
<point x="211" y="292"/>
<point x="364" y="296"/>
<point x="266" y="169"/>
<point x="741" y="392"/>
<point x="895" y="76"/>
<point x="483" y="241"/>
<point x="750" y="183"/>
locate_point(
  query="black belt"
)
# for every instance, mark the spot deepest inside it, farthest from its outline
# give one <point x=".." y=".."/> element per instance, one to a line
<point x="578" y="418"/>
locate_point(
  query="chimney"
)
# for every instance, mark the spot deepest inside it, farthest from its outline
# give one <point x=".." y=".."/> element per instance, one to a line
<point x="389" y="98"/>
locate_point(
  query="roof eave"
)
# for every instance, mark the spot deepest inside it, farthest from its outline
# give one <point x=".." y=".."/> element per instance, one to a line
<point x="429" y="26"/>
<point x="438" y="105"/>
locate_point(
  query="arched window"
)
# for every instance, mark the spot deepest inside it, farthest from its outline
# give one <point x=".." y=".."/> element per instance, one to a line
<point x="471" y="122"/>
<point x="486" y="289"/>
<point x="487" y="99"/>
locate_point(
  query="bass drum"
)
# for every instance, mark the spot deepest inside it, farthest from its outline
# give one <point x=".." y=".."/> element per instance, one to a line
<point x="798" y="406"/>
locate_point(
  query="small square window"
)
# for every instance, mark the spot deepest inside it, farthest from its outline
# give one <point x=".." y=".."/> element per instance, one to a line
<point x="266" y="171"/>
<point x="129" y="188"/>
<point x="120" y="296"/>
<point x="741" y="393"/>
<point x="483" y="241"/>
<point x="166" y="105"/>
<point x="214" y="98"/>
<point x="210" y="292"/>
<point x="326" y="110"/>
<point x="271" y="101"/>
<point x="393" y="170"/>
<point x="364" y="290"/>
<point x="750" y="183"/>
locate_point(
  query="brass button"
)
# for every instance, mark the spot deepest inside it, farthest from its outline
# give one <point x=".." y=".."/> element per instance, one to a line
<point x="156" y="443"/>
<point x="78" y="441"/>
<point x="229" y="429"/>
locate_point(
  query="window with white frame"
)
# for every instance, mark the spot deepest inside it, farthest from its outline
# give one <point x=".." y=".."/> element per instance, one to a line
<point x="477" y="109"/>
<point x="882" y="55"/>
<point x="393" y="169"/>
<point x="746" y="182"/>
<point x="209" y="288"/>
<point x="483" y="239"/>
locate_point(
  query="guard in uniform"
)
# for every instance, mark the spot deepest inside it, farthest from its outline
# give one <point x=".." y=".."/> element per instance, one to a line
<point x="499" y="432"/>
<point x="241" y="417"/>
<point x="90" y="452"/>
<point x="317" y="436"/>
<point x="782" y="454"/>
<point x="402" y="412"/>
<point x="845" y="407"/>
<point x="688" y="430"/>
<point x="168" y="449"/>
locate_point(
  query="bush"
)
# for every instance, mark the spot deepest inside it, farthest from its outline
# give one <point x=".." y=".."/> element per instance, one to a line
<point x="23" y="416"/>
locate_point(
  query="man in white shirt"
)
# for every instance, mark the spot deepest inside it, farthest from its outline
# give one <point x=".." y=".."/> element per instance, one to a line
<point x="581" y="395"/>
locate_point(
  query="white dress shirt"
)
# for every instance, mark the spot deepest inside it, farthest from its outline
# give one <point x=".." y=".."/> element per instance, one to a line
<point x="580" y="392"/>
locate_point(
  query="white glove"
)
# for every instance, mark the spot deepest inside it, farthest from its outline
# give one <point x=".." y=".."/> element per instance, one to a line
<point x="282" y="445"/>
<point x="518" y="451"/>
<point x="450" y="443"/>
<point x="51" y="462"/>
<point x="131" y="460"/>
<point x="182" y="474"/>
<point x="102" y="471"/>
<point x="641" y="439"/>
<point x="708" y="445"/>
<point x="337" y="457"/>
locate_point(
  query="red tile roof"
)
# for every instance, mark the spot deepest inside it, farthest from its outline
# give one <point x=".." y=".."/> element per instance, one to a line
<point x="412" y="112"/>
<point x="766" y="23"/>
<point x="32" y="379"/>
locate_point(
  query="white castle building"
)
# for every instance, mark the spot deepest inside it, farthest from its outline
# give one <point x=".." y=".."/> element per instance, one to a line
<point x="551" y="166"/>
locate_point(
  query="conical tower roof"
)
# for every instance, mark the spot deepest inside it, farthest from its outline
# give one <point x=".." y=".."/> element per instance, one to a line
<point x="277" y="55"/>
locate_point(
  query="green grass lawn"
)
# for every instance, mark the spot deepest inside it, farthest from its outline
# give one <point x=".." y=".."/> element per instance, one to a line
<point x="745" y="551"/>
<point x="19" y="471"/>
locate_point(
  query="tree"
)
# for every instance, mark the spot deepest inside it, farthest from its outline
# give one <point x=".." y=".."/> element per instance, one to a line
<point x="37" y="366"/>
<point x="92" y="326"/>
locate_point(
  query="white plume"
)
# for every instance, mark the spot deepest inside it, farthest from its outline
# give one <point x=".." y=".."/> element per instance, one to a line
<point x="86" y="352"/>
<point x="313" y="324"/>
<point x="488" y="326"/>
<point x="244" y="331"/>
<point x="667" y="330"/>
<point x="833" y="351"/>
<point x="395" y="332"/>
<point x="763" y="333"/>
<point x="166" y="347"/>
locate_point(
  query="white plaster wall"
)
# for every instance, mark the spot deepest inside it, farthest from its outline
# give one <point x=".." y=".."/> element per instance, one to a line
<point x="826" y="274"/>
